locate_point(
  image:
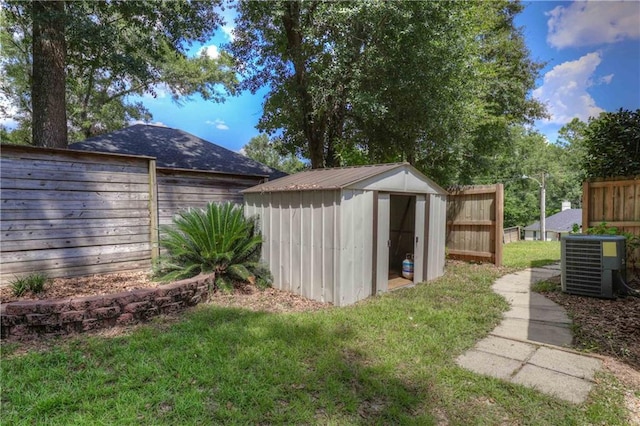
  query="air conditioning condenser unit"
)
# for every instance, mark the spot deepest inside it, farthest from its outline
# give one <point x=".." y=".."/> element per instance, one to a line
<point x="593" y="265"/>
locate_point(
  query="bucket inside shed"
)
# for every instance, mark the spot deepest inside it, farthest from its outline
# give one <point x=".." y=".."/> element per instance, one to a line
<point x="402" y="218"/>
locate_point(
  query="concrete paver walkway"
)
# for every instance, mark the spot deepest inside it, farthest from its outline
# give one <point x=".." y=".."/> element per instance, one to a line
<point x="529" y="346"/>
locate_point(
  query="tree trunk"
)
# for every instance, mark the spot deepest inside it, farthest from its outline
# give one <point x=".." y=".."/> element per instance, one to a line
<point x="48" y="85"/>
<point x="312" y="126"/>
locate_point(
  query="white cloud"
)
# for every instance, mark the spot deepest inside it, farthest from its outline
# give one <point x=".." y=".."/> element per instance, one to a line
<point x="606" y="79"/>
<point x="593" y="23"/>
<point x="564" y="90"/>
<point x="219" y="124"/>
<point x="210" y="51"/>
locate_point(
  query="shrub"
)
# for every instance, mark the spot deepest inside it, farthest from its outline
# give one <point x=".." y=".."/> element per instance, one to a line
<point x="632" y="242"/>
<point x="33" y="282"/>
<point x="217" y="239"/>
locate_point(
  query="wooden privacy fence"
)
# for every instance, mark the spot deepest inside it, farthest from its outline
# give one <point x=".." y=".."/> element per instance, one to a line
<point x="511" y="234"/>
<point x="69" y="213"/>
<point x="474" y="223"/>
<point x="616" y="202"/>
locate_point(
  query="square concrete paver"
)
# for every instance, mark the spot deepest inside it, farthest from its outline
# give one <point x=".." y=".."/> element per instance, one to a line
<point x="488" y="364"/>
<point x="552" y="314"/>
<point x="506" y="348"/>
<point x="579" y="366"/>
<point x="521" y="329"/>
<point x="550" y="382"/>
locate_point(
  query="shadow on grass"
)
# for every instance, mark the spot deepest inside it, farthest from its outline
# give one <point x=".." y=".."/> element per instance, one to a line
<point x="543" y="262"/>
<point x="218" y="365"/>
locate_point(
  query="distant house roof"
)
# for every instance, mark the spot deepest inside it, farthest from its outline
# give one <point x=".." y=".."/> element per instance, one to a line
<point x="559" y="222"/>
<point x="174" y="148"/>
<point x="338" y="178"/>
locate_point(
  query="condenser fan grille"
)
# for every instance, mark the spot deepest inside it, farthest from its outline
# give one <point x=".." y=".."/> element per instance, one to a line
<point x="583" y="263"/>
<point x="592" y="264"/>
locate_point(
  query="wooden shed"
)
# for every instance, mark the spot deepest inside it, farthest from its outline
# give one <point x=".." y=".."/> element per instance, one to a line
<point x="341" y="235"/>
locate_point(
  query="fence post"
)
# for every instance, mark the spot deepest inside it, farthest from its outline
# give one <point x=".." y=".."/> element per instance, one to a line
<point x="499" y="227"/>
<point x="585" y="206"/>
<point x="153" y="211"/>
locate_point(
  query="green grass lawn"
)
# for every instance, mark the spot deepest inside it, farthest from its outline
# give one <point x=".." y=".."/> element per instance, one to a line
<point x="387" y="360"/>
<point x="527" y="254"/>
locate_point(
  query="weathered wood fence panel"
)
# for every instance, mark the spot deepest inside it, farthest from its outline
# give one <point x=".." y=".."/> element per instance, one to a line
<point x="616" y="202"/>
<point x="69" y="213"/>
<point x="475" y="223"/>
<point x="73" y="213"/>
<point x="511" y="235"/>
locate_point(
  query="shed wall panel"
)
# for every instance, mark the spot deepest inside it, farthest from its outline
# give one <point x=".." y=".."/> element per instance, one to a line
<point x="356" y="278"/>
<point x="436" y="237"/>
<point x="298" y="230"/>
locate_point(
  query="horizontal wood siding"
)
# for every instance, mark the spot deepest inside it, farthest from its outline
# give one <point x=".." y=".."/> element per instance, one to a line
<point x="68" y="213"/>
<point x="475" y="222"/>
<point x="179" y="190"/>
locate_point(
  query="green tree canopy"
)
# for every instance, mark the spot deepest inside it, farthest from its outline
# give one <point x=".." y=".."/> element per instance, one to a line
<point x="271" y="153"/>
<point x="434" y="83"/>
<point x="115" y="49"/>
<point x="612" y="145"/>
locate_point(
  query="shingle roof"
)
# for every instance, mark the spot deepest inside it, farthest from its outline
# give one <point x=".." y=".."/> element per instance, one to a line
<point x="333" y="178"/>
<point x="559" y="222"/>
<point x="174" y="148"/>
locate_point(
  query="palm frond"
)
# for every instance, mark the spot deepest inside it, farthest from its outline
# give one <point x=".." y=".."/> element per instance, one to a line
<point x="217" y="238"/>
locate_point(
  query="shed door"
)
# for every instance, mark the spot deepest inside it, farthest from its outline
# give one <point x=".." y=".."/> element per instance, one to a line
<point x="382" y="269"/>
<point x="419" y="239"/>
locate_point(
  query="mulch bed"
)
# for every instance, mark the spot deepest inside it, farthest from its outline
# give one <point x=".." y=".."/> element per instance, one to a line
<point x="604" y="326"/>
<point x="247" y="296"/>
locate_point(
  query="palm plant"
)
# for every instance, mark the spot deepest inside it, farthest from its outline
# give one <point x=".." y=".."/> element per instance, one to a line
<point x="217" y="239"/>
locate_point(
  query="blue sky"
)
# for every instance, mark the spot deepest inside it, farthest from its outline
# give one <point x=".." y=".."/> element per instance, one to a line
<point x="592" y="56"/>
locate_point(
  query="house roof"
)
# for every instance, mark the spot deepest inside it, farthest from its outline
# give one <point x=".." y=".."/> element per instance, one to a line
<point x="336" y="178"/>
<point x="176" y="149"/>
<point x="559" y="222"/>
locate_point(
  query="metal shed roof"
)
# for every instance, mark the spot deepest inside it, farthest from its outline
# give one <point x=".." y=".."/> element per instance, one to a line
<point x="333" y="178"/>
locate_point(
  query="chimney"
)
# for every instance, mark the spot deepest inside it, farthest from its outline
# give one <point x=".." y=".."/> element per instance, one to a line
<point x="566" y="205"/>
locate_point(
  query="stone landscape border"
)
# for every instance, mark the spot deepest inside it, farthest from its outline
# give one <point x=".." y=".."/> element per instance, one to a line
<point x="24" y="320"/>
